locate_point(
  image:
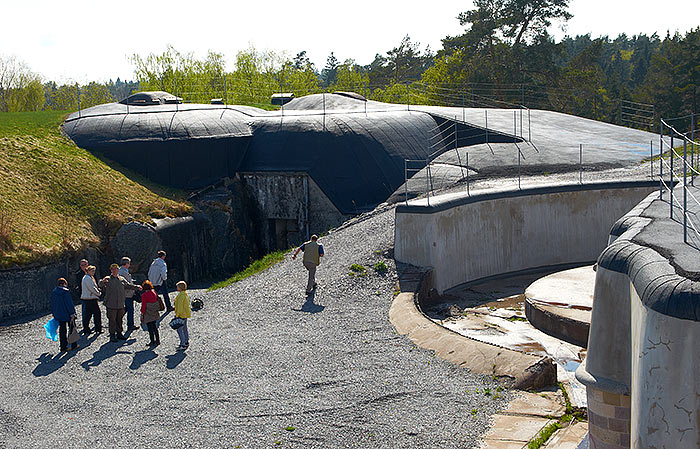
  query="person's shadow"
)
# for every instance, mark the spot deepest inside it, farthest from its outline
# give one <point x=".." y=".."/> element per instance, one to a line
<point x="141" y="357"/>
<point x="107" y="350"/>
<point x="310" y="306"/>
<point x="174" y="360"/>
<point x="49" y="364"/>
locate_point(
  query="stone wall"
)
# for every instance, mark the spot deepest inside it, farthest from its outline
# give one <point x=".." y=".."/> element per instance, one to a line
<point x="26" y="291"/>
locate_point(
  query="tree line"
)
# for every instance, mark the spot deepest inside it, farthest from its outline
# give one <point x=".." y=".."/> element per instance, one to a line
<point x="504" y="58"/>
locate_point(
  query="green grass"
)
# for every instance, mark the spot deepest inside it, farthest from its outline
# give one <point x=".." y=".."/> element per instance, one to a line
<point x="57" y="198"/>
<point x="380" y="267"/>
<point x="543" y="436"/>
<point x="254" y="268"/>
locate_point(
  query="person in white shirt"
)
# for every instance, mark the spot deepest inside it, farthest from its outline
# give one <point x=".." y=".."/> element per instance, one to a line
<point x="90" y="294"/>
<point x="158" y="275"/>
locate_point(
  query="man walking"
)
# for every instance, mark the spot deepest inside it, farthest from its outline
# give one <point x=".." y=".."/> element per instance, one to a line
<point x="313" y="251"/>
<point x="129" y="302"/>
<point x="115" y="288"/>
<point x="158" y="275"/>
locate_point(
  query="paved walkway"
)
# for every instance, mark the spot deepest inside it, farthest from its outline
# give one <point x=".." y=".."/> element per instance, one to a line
<point x="266" y="367"/>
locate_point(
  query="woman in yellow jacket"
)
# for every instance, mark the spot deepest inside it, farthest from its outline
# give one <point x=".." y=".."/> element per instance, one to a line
<point x="182" y="310"/>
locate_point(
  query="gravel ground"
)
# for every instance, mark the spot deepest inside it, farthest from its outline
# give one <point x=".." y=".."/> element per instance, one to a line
<point x="267" y="367"/>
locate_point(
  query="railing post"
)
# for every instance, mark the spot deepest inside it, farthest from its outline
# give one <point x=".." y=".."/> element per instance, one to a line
<point x="685" y="192"/>
<point x="580" y="163"/>
<point x="486" y="115"/>
<point x="529" y="127"/>
<point x="177" y="105"/>
<point x="467" y="173"/>
<point x="80" y="112"/>
<point x="671" y="186"/>
<point x="459" y="159"/>
<point x="408" y="98"/>
<point x="225" y="92"/>
<point x="651" y="157"/>
<point x="516" y="146"/>
<point x="405" y="181"/>
<point x="427" y="180"/>
<point x="515" y="123"/>
<point x="692" y="147"/>
<point x="521" y="122"/>
<point x="661" y="159"/>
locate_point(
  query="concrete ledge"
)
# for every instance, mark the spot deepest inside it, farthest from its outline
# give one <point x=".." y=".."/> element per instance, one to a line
<point x="649" y="249"/>
<point x="570" y="325"/>
<point x="527" y="371"/>
<point x="446" y="202"/>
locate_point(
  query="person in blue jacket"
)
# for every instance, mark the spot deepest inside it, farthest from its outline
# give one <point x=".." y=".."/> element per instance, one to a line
<point x="63" y="311"/>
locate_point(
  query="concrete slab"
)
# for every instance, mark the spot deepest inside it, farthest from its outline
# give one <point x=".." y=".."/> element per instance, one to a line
<point x="501" y="444"/>
<point x="560" y="304"/>
<point x="515" y="428"/>
<point x="528" y="371"/>
<point x="532" y="404"/>
<point x="569" y="437"/>
<point x="571" y="289"/>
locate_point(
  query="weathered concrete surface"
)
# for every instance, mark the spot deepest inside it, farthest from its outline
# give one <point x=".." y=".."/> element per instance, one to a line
<point x="465" y="238"/>
<point x="526" y="371"/>
<point x="644" y="333"/>
<point x="560" y="304"/>
<point x="522" y="421"/>
<point x="569" y="437"/>
<point x="292" y="207"/>
<point x="665" y="388"/>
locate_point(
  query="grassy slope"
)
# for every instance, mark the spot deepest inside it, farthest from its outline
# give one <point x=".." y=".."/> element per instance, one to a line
<point x="55" y="196"/>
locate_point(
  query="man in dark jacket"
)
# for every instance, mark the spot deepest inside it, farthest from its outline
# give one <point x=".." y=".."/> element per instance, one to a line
<point x="115" y="287"/>
<point x="63" y="311"/>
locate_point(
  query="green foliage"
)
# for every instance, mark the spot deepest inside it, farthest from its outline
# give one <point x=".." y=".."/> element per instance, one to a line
<point x="57" y="198"/>
<point x="380" y="267"/>
<point x="357" y="268"/>
<point x="255" y="267"/>
<point x="544" y="435"/>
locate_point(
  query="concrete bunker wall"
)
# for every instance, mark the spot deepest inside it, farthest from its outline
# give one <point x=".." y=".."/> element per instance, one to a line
<point x="467" y="238"/>
<point x="642" y="370"/>
<point x="292" y="207"/>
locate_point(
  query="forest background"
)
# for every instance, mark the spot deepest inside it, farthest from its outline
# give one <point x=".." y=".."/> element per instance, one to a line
<point x="505" y="58"/>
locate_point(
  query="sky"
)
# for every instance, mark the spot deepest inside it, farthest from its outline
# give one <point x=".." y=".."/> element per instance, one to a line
<point x="82" y="41"/>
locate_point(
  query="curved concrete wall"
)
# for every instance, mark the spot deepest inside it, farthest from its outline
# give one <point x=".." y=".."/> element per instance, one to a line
<point x="466" y="238"/>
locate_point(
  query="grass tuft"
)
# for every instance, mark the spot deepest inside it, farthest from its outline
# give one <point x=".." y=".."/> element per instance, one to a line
<point x="254" y="268"/>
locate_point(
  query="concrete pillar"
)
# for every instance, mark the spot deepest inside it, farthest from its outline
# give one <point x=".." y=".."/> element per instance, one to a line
<point x="606" y="371"/>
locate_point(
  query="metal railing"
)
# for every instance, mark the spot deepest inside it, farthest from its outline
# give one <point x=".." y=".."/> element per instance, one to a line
<point x="445" y="140"/>
<point x="688" y="171"/>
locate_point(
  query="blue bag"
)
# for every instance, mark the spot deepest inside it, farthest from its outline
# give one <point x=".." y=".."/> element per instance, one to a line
<point x="52" y="329"/>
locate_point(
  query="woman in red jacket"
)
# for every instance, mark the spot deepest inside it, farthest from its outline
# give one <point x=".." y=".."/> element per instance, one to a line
<point x="150" y="312"/>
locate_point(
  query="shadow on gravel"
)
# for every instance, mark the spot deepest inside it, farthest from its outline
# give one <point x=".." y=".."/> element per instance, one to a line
<point x="310" y="306"/>
<point x="141" y="357"/>
<point x="106" y="351"/>
<point x="49" y="364"/>
<point x="175" y="359"/>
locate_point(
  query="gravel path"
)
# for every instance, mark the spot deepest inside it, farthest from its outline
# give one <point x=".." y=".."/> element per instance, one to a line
<point x="262" y="359"/>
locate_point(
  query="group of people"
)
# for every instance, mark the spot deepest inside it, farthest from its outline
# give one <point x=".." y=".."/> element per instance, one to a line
<point x="118" y="290"/>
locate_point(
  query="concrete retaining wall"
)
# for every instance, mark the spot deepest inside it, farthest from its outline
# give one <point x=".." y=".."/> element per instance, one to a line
<point x="642" y="368"/>
<point x="466" y="238"/>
